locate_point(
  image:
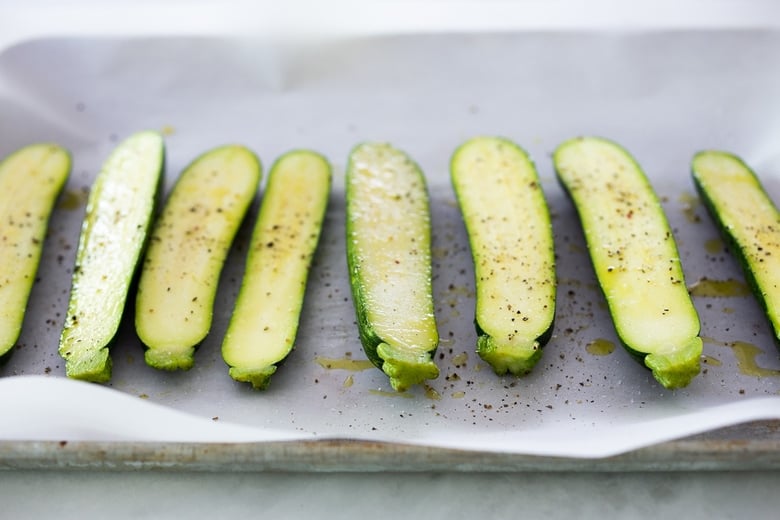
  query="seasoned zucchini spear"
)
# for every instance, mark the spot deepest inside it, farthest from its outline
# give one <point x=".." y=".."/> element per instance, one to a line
<point x="187" y="251"/>
<point x="31" y="179"/>
<point x="264" y="324"/>
<point x="635" y="257"/>
<point x="511" y="239"/>
<point x="389" y="260"/>
<point x="120" y="209"/>
<point x="748" y="220"/>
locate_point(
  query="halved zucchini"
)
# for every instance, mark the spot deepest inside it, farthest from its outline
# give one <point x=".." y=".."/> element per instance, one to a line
<point x="31" y="179"/>
<point x="389" y="260"/>
<point x="187" y="251"/>
<point x="635" y="257"/>
<point x="511" y="239"/>
<point x="120" y="209"/>
<point x="264" y="324"/>
<point x="748" y="220"/>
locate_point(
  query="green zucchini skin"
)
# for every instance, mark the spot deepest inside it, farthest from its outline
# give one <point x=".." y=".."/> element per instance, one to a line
<point x="634" y="256"/>
<point x="748" y="221"/>
<point x="264" y="323"/>
<point x="510" y="233"/>
<point x="187" y="250"/>
<point x="389" y="261"/>
<point x="31" y="179"/>
<point x="120" y="210"/>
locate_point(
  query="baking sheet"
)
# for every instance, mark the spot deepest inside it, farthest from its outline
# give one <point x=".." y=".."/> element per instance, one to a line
<point x="663" y="95"/>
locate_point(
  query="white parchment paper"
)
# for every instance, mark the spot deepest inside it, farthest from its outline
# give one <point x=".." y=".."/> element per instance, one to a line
<point x="663" y="95"/>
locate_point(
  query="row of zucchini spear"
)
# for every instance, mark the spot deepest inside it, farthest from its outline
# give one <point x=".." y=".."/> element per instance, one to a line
<point x="180" y="252"/>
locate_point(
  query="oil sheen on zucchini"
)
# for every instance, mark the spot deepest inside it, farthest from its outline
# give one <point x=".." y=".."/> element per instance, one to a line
<point x="389" y="260"/>
<point x="31" y="179"/>
<point x="120" y="209"/>
<point x="264" y="323"/>
<point x="635" y="257"/>
<point x="511" y="239"/>
<point x="748" y="219"/>
<point x="187" y="251"/>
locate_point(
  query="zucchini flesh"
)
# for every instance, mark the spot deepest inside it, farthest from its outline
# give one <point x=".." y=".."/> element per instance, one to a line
<point x="511" y="240"/>
<point x="635" y="257"/>
<point x="264" y="323"/>
<point x="120" y="209"/>
<point x="31" y="179"/>
<point x="187" y="250"/>
<point x="748" y="219"/>
<point x="389" y="260"/>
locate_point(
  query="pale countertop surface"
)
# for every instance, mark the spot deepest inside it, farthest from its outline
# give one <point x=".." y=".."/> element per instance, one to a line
<point x="50" y="493"/>
<point x="141" y="495"/>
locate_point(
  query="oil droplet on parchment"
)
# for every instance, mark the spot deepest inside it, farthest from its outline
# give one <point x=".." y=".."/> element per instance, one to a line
<point x="719" y="288"/>
<point x="600" y="347"/>
<point x="355" y="365"/>
<point x="746" y="354"/>
<point x="431" y="393"/>
<point x="460" y="359"/>
<point x="73" y="199"/>
<point x="714" y="246"/>
<point x="385" y="393"/>
<point x="690" y="203"/>
<point x="713" y="341"/>
<point x="711" y="361"/>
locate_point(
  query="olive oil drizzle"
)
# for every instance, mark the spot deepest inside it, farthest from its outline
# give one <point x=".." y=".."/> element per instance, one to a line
<point x="72" y="200"/>
<point x="711" y="361"/>
<point x="384" y="393"/>
<point x="745" y="354"/>
<point x="690" y="203"/>
<point x="714" y="246"/>
<point x="730" y="288"/>
<point x="600" y="347"/>
<point x="354" y="365"/>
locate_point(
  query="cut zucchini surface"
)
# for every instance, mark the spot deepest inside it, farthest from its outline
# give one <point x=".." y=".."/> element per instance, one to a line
<point x="511" y="240"/>
<point x="120" y="209"/>
<point x="389" y="260"/>
<point x="187" y="251"/>
<point x="635" y="257"/>
<point x="31" y="179"/>
<point x="748" y="219"/>
<point x="264" y="324"/>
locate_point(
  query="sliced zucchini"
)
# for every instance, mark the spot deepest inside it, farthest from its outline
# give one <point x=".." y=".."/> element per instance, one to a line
<point x="264" y="324"/>
<point x="120" y="209"/>
<point x="389" y="260"/>
<point x="635" y="257"/>
<point x="748" y="219"/>
<point x="31" y="179"/>
<point x="187" y="251"/>
<point x="511" y="239"/>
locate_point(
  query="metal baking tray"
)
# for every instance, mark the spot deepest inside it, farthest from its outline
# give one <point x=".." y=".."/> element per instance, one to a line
<point x="662" y="94"/>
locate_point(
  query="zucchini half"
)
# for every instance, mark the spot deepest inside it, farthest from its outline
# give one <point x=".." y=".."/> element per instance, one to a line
<point x="264" y="324"/>
<point x="31" y="179"/>
<point x="748" y="220"/>
<point x="389" y="260"/>
<point x="187" y="250"/>
<point x="120" y="210"/>
<point x="511" y="240"/>
<point x="635" y="257"/>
